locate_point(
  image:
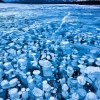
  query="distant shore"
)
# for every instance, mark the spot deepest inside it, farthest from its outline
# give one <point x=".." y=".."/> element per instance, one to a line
<point x="85" y="2"/>
<point x="78" y="2"/>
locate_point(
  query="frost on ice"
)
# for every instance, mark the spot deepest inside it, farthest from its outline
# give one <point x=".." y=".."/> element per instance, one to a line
<point x="55" y="60"/>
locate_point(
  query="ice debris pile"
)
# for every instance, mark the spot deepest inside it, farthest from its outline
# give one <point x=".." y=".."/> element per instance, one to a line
<point x="50" y="63"/>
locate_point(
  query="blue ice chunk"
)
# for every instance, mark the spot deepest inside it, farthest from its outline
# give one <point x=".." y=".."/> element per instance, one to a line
<point x="5" y="84"/>
<point x="75" y="96"/>
<point x="8" y="65"/>
<point x="13" y="82"/>
<point x="37" y="92"/>
<point x="46" y="67"/>
<point x="1" y="99"/>
<point x="91" y="95"/>
<point x="13" y="94"/>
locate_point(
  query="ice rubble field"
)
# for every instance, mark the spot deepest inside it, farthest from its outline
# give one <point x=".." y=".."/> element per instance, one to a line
<point x="49" y="52"/>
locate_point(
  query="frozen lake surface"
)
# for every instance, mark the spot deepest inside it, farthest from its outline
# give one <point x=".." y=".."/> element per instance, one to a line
<point x="49" y="52"/>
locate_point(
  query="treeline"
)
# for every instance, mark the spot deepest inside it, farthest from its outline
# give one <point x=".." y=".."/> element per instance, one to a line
<point x="87" y="2"/>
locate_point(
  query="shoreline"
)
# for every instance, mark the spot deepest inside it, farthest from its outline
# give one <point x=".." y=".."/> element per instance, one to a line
<point x="77" y="2"/>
